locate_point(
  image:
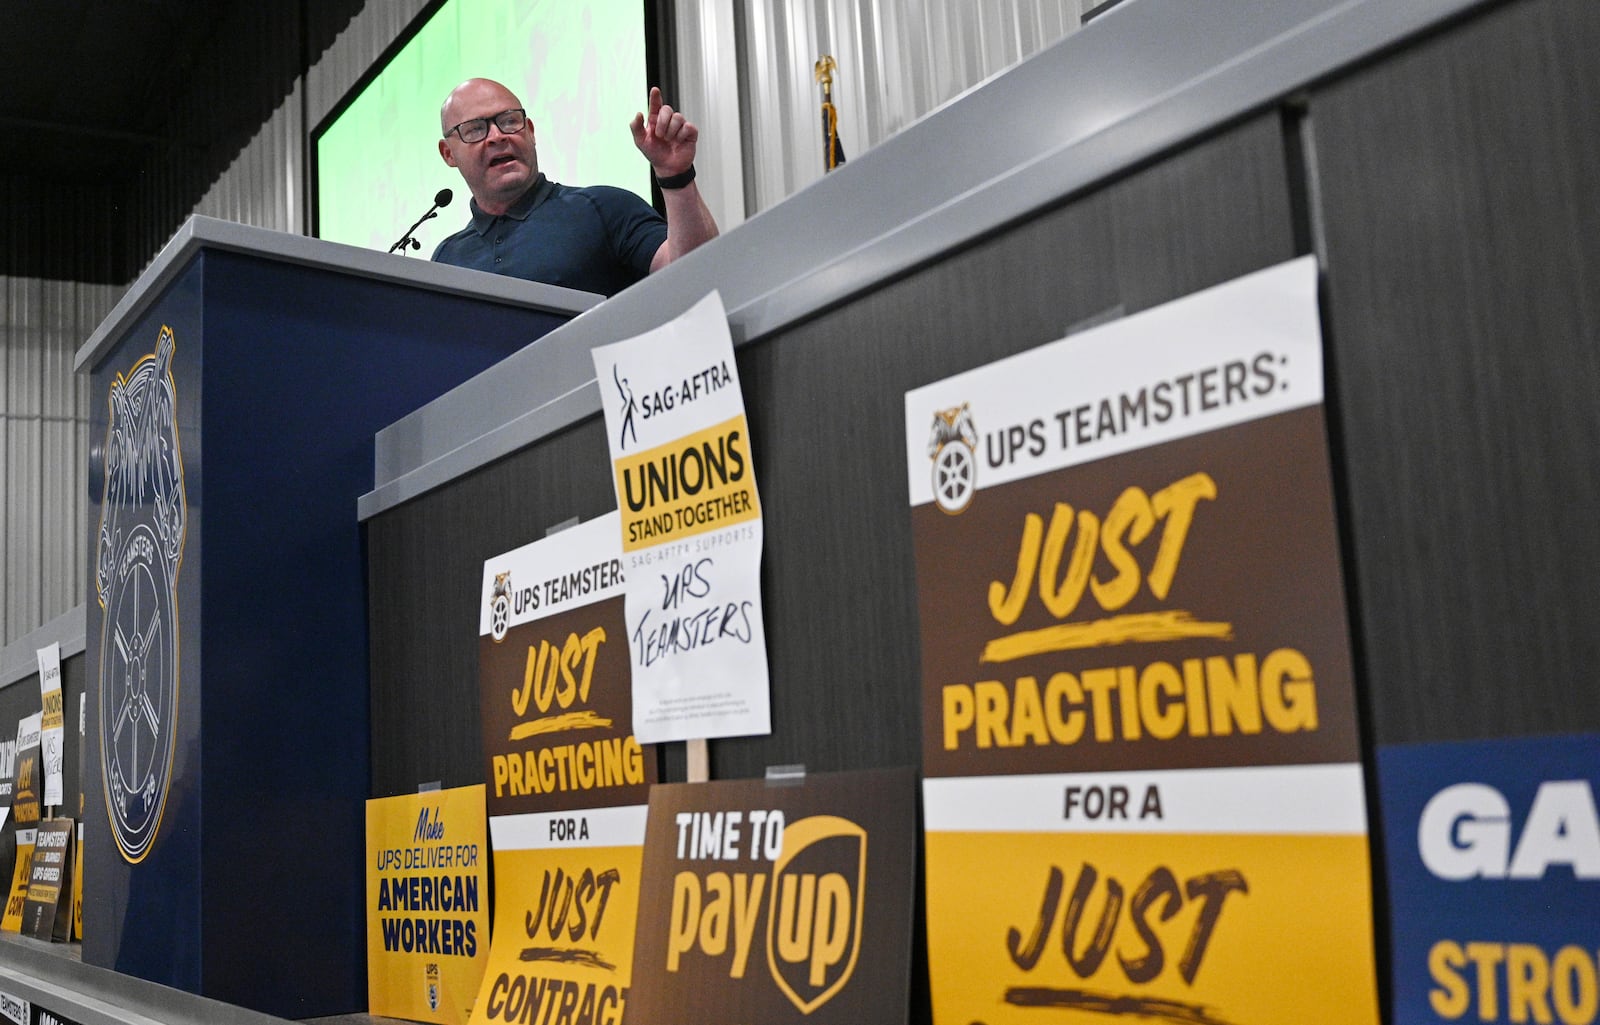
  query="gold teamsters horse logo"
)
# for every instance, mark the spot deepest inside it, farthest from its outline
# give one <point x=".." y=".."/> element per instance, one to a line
<point x="143" y="519"/>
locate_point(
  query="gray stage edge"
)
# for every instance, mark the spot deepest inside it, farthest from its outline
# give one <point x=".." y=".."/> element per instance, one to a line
<point x="19" y="659"/>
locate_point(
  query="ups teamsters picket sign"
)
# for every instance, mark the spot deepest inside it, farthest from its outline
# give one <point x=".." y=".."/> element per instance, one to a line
<point x="776" y="903"/>
<point x="427" y="904"/>
<point x="1143" y="793"/>
<point x="568" y="780"/>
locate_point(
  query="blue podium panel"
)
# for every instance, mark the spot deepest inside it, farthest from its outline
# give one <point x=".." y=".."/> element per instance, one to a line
<point x="233" y="428"/>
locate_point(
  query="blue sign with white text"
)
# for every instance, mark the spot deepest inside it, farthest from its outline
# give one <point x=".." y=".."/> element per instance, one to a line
<point x="1493" y="852"/>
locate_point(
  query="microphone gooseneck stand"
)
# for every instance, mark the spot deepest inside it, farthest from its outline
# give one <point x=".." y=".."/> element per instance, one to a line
<point x="407" y="243"/>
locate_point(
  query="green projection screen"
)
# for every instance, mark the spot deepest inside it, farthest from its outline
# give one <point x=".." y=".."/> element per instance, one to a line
<point x="579" y="68"/>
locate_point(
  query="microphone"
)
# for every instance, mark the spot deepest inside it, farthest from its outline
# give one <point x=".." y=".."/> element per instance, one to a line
<point x="440" y="199"/>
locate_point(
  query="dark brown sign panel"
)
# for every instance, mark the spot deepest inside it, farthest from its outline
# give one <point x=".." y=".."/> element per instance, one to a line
<point x="1235" y="572"/>
<point x="25" y="807"/>
<point x="556" y="689"/>
<point x="554" y="758"/>
<point x="776" y="902"/>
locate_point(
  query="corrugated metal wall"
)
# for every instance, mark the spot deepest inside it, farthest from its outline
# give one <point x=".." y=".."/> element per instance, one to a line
<point x="263" y="186"/>
<point x="705" y="36"/>
<point x="266" y="186"/>
<point x="898" y="59"/>
<point x="44" y="438"/>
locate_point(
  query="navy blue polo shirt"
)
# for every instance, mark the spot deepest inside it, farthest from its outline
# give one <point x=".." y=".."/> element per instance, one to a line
<point x="597" y="239"/>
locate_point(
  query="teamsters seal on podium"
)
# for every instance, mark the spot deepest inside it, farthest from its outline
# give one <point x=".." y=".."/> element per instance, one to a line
<point x="142" y="525"/>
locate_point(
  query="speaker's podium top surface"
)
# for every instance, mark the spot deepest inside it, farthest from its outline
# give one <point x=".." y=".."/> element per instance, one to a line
<point x="200" y="234"/>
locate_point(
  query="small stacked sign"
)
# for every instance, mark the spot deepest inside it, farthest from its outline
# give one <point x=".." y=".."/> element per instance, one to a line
<point x="50" y="880"/>
<point x="26" y="811"/>
<point x="427" y="904"/>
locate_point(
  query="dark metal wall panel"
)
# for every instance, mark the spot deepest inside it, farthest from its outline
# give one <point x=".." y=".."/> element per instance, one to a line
<point x="425" y="573"/>
<point x="1461" y="189"/>
<point x="826" y="405"/>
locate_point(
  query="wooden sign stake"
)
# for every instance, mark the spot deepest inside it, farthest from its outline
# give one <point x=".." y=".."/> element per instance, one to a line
<point x="699" y="760"/>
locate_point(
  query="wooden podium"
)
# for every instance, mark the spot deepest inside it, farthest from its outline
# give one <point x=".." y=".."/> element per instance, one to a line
<point x="236" y="391"/>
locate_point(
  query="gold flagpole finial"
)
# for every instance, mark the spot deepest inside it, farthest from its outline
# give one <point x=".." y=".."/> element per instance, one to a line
<point x="823" y="69"/>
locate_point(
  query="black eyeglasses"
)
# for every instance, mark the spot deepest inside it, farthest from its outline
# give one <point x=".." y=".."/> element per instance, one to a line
<point x="509" y="122"/>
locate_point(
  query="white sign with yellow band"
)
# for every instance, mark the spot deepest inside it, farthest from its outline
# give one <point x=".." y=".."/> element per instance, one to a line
<point x="691" y="529"/>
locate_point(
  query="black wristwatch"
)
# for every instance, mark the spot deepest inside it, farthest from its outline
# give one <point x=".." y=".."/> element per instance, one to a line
<point x="676" y="181"/>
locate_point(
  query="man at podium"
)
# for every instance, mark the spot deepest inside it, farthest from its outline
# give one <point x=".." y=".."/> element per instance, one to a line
<point x="596" y="238"/>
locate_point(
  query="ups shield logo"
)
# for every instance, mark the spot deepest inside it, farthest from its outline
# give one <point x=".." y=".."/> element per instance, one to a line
<point x="815" y="908"/>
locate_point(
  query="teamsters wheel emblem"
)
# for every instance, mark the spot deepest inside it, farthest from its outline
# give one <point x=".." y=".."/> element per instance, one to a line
<point x="953" y="477"/>
<point x="142" y="527"/>
<point x="500" y="607"/>
<point x="953" y="446"/>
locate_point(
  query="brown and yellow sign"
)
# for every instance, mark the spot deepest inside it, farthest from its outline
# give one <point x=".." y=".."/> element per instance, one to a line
<point x="1143" y="792"/>
<point x="17" y="900"/>
<point x="564" y="926"/>
<point x="26" y="798"/>
<point x="568" y="780"/>
<point x="50" y="882"/>
<point x="776" y="903"/>
<point x="554" y="676"/>
<point x="77" y="886"/>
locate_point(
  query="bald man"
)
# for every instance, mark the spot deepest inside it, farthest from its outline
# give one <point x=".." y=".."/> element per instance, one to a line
<point x="597" y="238"/>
